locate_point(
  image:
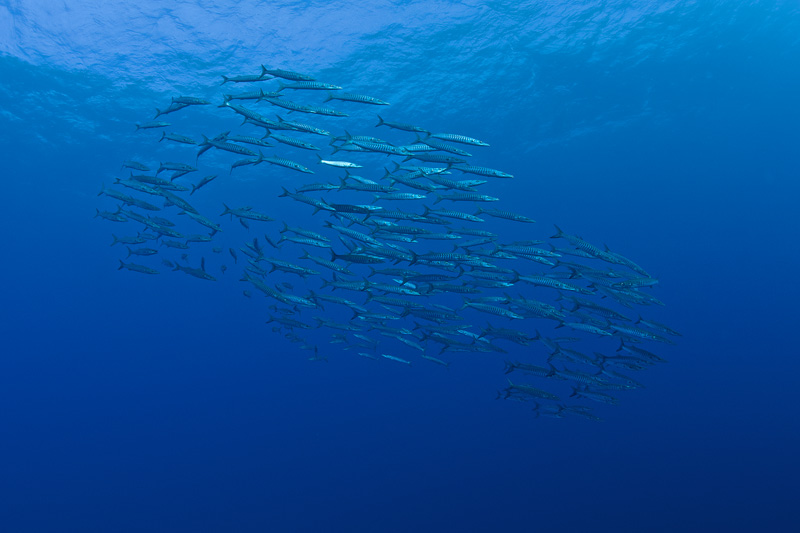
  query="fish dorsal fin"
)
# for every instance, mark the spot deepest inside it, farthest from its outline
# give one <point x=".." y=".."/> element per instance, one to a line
<point x="203" y="264"/>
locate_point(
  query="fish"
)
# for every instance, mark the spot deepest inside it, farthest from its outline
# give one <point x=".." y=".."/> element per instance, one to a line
<point x="392" y="269"/>
<point x="136" y="268"/>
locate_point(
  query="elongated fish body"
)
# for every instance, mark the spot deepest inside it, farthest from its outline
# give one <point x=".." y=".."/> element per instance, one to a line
<point x="247" y="139"/>
<point x="453" y="137"/>
<point x="638" y="333"/>
<point x="399" y="196"/>
<point x="363" y="259"/>
<point x="111" y="193"/>
<point x="151" y="125"/>
<point x="531" y="391"/>
<point x="174" y="244"/>
<point x="579" y="326"/>
<point x="200" y="219"/>
<point x="246" y="212"/>
<point x="189" y="100"/>
<point x="465" y="197"/>
<point x="205" y="181"/>
<point x="305" y="233"/>
<point x="286" y="74"/>
<point x="304" y="240"/>
<point x="412" y="183"/>
<point x="290" y="268"/>
<point x="658" y="327"/>
<point x="593" y="395"/>
<point x="397" y="359"/>
<point x="135" y="165"/>
<point x="177" y="201"/>
<point x="171" y="109"/>
<point x="339" y="164"/>
<point x="244" y="111"/>
<point x="108" y="215"/>
<point x="400" y="126"/>
<point x="141" y="204"/>
<point x="177" y="138"/>
<point x="359" y="98"/>
<point x="443" y="146"/>
<point x="251" y="95"/>
<point x="327" y="264"/>
<point x="417" y="147"/>
<point x="198" y="238"/>
<point x="355" y="235"/>
<point x="228" y="147"/>
<point x="141" y="251"/>
<point x="545" y="281"/>
<point x="199" y="273"/>
<point x="248" y="78"/>
<point x="297" y="143"/>
<point x="494" y="310"/>
<point x="318" y="204"/>
<point x="463" y="185"/>
<point x="128" y="240"/>
<point x="381" y="148"/>
<point x="508" y="215"/>
<point x="311" y="187"/>
<point x="435" y="158"/>
<point x="299" y="126"/>
<point x="533" y="370"/>
<point x="289" y="105"/>
<point x="309" y="85"/>
<point x="327" y="111"/>
<point x="169" y="165"/>
<point x="589" y="380"/>
<point x="528" y="250"/>
<point x="136" y="268"/>
<point x="482" y="171"/>
<point x="636" y="283"/>
<point x="349" y="147"/>
<point x="286" y="163"/>
<point x="365" y="187"/>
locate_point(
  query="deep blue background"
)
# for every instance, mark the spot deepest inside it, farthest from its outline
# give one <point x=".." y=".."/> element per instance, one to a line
<point x="669" y="131"/>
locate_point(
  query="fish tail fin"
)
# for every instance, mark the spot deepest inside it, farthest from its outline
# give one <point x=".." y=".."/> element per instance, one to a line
<point x="163" y="134"/>
<point x="438" y="199"/>
<point x="558" y="234"/>
<point x="509" y="367"/>
<point x="380" y="121"/>
<point x="281" y="86"/>
<point x="329" y="98"/>
<point x="225" y="79"/>
<point x="129" y="251"/>
<point x="121" y="265"/>
<point x="227" y="210"/>
<point x="285" y="192"/>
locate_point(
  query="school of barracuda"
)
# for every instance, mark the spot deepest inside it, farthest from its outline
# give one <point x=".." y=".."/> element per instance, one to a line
<point x="380" y="258"/>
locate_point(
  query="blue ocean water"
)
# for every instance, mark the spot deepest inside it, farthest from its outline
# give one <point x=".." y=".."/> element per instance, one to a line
<point x="667" y="130"/>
